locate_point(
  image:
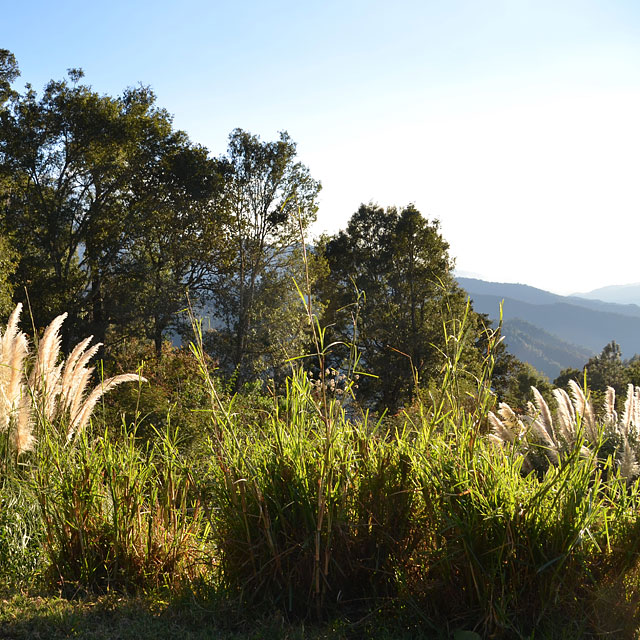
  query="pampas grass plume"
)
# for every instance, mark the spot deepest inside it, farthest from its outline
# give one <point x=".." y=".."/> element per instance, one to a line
<point x="55" y="389"/>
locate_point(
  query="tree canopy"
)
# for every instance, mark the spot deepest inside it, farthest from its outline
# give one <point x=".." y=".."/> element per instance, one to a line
<point x="96" y="186"/>
<point x="400" y="262"/>
<point x="111" y="214"/>
<point x="270" y="199"/>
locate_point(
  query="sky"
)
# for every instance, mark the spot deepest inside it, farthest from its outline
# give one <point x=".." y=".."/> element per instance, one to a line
<point x="515" y="123"/>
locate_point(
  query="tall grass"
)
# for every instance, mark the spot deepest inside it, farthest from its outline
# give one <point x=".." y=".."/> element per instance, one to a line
<point x="113" y="514"/>
<point x="305" y="523"/>
<point x="313" y="512"/>
<point x="308" y="511"/>
<point x="21" y="536"/>
<point x="511" y="551"/>
<point x="45" y="393"/>
<point x="542" y="441"/>
<point x="116" y="515"/>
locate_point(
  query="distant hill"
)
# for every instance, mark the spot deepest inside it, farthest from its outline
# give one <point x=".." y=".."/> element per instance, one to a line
<point x="522" y="292"/>
<point x="553" y="332"/>
<point x="622" y="294"/>
<point x="525" y="293"/>
<point x="544" y="351"/>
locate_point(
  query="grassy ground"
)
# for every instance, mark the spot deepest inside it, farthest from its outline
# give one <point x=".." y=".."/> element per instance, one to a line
<point x="121" y="618"/>
<point x="115" y="617"/>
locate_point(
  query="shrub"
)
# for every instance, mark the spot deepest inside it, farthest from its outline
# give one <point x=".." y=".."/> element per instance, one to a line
<point x="117" y="516"/>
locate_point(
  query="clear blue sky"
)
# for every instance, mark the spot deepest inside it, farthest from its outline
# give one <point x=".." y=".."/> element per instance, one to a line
<point x="515" y="123"/>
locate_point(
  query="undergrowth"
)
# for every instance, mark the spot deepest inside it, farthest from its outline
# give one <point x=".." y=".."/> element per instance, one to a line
<point x="310" y="513"/>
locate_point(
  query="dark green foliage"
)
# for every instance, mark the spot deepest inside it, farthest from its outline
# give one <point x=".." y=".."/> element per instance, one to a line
<point x="568" y="374"/>
<point x="8" y="263"/>
<point x="174" y="394"/>
<point x="113" y="213"/>
<point x="632" y="371"/>
<point x="285" y="501"/>
<point x="400" y="263"/>
<point x="517" y="390"/>
<point x="176" y="239"/>
<point x="607" y="370"/>
<point x="64" y="154"/>
<point x="9" y="71"/>
<point x="270" y="198"/>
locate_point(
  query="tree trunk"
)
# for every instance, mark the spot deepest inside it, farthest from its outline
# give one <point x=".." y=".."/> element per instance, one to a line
<point x="98" y="316"/>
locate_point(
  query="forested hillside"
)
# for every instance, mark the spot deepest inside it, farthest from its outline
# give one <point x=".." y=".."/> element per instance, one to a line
<point x="555" y="332"/>
<point x="547" y="353"/>
<point x="533" y="295"/>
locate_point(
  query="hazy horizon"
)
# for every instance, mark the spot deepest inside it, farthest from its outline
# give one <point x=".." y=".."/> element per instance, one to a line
<point x="479" y="276"/>
<point x="514" y="123"/>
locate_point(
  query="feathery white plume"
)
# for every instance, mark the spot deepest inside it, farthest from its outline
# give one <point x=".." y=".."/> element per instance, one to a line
<point x="55" y="389"/>
<point x="544" y="413"/>
<point x="80" y="420"/>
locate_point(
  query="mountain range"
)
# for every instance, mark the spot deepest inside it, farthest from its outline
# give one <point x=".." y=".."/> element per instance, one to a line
<point x="622" y="293"/>
<point x="553" y="332"/>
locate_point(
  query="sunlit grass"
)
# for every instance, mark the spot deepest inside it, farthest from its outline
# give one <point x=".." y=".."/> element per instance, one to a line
<point x="300" y="512"/>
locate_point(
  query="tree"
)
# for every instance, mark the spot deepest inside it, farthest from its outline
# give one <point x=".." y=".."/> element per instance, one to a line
<point x="9" y="71"/>
<point x="607" y="370"/>
<point x="518" y="392"/>
<point x="46" y="190"/>
<point x="176" y="242"/>
<point x="271" y="200"/>
<point x="632" y="370"/>
<point x="400" y="261"/>
<point x="111" y="210"/>
<point x="8" y="263"/>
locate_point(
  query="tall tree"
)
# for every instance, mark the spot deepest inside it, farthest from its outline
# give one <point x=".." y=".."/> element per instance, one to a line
<point x="91" y="183"/>
<point x="46" y="192"/>
<point x="177" y="241"/>
<point x="271" y="200"/>
<point x="400" y="261"/>
<point x="607" y="370"/>
<point x="9" y="71"/>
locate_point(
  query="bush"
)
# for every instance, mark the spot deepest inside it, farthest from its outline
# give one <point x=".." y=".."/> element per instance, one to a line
<point x="310" y="512"/>
<point x="117" y="515"/>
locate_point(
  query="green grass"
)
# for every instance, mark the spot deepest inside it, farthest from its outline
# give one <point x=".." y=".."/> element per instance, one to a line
<point x="105" y="618"/>
<point x="299" y="515"/>
<point x="117" y="617"/>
